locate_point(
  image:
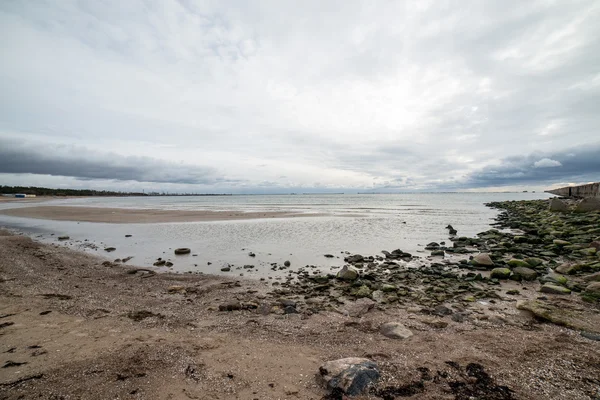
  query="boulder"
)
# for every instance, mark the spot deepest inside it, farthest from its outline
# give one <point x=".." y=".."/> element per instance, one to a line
<point x="182" y="250"/>
<point x="483" y="260"/>
<point x="526" y="274"/>
<point x="500" y="273"/>
<point x="287" y="263"/>
<point x="395" y="330"/>
<point x="386" y="287"/>
<point x="438" y="253"/>
<point x="63" y="238"/>
<point x="358" y="308"/>
<point x="595" y="244"/>
<point x="534" y="261"/>
<point x="354" y="259"/>
<point x="557" y="205"/>
<point x="351" y="375"/>
<point x="588" y="204"/>
<point x="593" y="290"/>
<point x="347" y="274"/>
<point x="568" y="268"/>
<point x="554" y="289"/>
<point x="564" y="315"/>
<point x="555" y="278"/>
<point x="363" y="291"/>
<point x="595" y="277"/>
<point x="561" y="243"/>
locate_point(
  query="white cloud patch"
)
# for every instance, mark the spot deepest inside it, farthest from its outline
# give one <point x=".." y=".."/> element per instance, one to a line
<point x="547" y="163"/>
<point x="273" y="95"/>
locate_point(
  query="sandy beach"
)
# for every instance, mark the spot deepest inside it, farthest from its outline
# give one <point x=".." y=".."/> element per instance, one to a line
<point x="76" y="326"/>
<point x="124" y="216"/>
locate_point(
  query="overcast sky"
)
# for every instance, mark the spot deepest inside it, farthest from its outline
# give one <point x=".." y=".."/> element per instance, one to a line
<point x="281" y="96"/>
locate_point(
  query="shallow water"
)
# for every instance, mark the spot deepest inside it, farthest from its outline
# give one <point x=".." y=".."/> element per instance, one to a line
<point x="364" y="224"/>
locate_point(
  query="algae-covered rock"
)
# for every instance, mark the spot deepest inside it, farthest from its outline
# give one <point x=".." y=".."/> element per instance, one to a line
<point x="568" y="268"/>
<point x="363" y="291"/>
<point x="561" y="243"/>
<point x="534" y="261"/>
<point x="388" y="288"/>
<point x="518" y="263"/>
<point x="554" y="289"/>
<point x="350" y="375"/>
<point x="579" y="319"/>
<point x="590" y="251"/>
<point x="593" y="290"/>
<point x="524" y="273"/>
<point x="500" y="273"/>
<point x="588" y="204"/>
<point x="553" y="277"/>
<point x="347" y="274"/>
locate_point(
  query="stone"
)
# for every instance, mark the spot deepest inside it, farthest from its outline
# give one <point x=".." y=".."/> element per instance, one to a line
<point x="386" y="287"/>
<point x="109" y="249"/>
<point x="351" y="375"/>
<point x="567" y="268"/>
<point x="595" y="277"/>
<point x="553" y="277"/>
<point x="534" y="261"/>
<point x="557" y="205"/>
<point x="500" y="273"/>
<point x="329" y="256"/>
<point x="595" y="244"/>
<point x="561" y="243"/>
<point x="128" y="236"/>
<point x="588" y="204"/>
<point x="526" y="274"/>
<point x="432" y="246"/>
<point x="395" y="330"/>
<point x="251" y="254"/>
<point x="438" y="253"/>
<point x="482" y="259"/>
<point x="563" y="315"/>
<point x="435" y="323"/>
<point x="182" y="250"/>
<point x="287" y="263"/>
<point x="358" y="308"/>
<point x="593" y="290"/>
<point x="176" y="289"/>
<point x="363" y="291"/>
<point x="442" y="310"/>
<point x="518" y="263"/>
<point x="354" y="259"/>
<point x="226" y="268"/>
<point x="591" y="336"/>
<point x="231" y="306"/>
<point x="554" y="289"/>
<point x="347" y="274"/>
<point x="64" y="238"/>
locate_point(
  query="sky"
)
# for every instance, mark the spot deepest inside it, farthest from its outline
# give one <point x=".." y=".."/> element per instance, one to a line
<point x="312" y="96"/>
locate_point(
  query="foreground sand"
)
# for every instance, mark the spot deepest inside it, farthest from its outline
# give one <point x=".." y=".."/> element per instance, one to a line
<point x="74" y="328"/>
<point x="121" y="215"/>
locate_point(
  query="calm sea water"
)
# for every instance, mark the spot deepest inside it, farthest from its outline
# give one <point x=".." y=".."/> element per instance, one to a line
<point x="364" y="224"/>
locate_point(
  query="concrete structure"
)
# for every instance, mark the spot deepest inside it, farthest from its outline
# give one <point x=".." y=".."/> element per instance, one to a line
<point x="589" y="190"/>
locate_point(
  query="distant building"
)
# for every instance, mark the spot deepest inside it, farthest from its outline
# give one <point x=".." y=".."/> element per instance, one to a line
<point x="30" y="195"/>
<point x="20" y="195"/>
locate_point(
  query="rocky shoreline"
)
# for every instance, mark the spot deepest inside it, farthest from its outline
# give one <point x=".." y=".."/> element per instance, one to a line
<point x="513" y="313"/>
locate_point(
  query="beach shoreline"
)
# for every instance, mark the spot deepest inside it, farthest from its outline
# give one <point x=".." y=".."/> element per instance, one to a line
<point x="142" y="216"/>
<point x="76" y="325"/>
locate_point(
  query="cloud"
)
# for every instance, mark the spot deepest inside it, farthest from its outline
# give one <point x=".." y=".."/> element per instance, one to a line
<point x="272" y="95"/>
<point x="83" y="164"/>
<point x="546" y="163"/>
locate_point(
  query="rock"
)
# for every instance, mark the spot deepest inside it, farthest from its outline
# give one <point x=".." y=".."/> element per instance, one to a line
<point x="561" y="243"/>
<point x="226" y="268"/>
<point x="435" y="323"/>
<point x="350" y="375"/>
<point x="287" y="263"/>
<point x="386" y="287"/>
<point x="553" y="277"/>
<point x="432" y="246"/>
<point x="182" y="250"/>
<point x="500" y="273"/>
<point x="451" y="230"/>
<point x="518" y="263"/>
<point x="176" y="289"/>
<point x="595" y="244"/>
<point x="526" y="274"/>
<point x="438" y="253"/>
<point x="588" y="204"/>
<point x="159" y="263"/>
<point x="595" y="277"/>
<point x="442" y="310"/>
<point x="128" y="236"/>
<point x="593" y="290"/>
<point x="575" y="319"/>
<point x="534" y="261"/>
<point x="554" y="289"/>
<point x="248" y="266"/>
<point x="290" y="310"/>
<point x="591" y="336"/>
<point x="363" y="291"/>
<point x="251" y="254"/>
<point x="395" y="330"/>
<point x="567" y="268"/>
<point x="482" y="259"/>
<point x="358" y="308"/>
<point x="329" y="256"/>
<point x="109" y="249"/>
<point x="231" y="306"/>
<point x="347" y="274"/>
<point x="168" y="264"/>
<point x="64" y="238"/>
<point x="557" y="205"/>
<point x="354" y="259"/>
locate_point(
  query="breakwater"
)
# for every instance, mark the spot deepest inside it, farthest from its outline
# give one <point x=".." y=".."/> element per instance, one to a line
<point x="589" y="190"/>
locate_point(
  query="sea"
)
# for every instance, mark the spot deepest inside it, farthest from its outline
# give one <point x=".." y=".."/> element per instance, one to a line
<point x="336" y="224"/>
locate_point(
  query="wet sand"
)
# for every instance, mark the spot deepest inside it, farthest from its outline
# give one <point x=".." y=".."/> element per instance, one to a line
<point x="125" y="216"/>
<point x="76" y="326"/>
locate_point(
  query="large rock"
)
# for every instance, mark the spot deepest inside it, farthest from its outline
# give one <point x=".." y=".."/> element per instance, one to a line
<point x="526" y="274"/>
<point x="351" y="375"/>
<point x="358" y="308"/>
<point x="561" y="243"/>
<point x="482" y="260"/>
<point x="568" y="268"/>
<point x="553" y="277"/>
<point x="395" y="330"/>
<point x="347" y="274"/>
<point x="354" y="259"/>
<point x="595" y="277"/>
<point x="518" y="263"/>
<point x="500" y="273"/>
<point x="554" y="289"/>
<point x="558" y="205"/>
<point x="588" y="204"/>
<point x="574" y="318"/>
<point x="593" y="290"/>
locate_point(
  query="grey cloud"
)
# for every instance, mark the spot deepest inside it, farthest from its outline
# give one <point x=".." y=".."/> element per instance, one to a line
<point x="81" y="163"/>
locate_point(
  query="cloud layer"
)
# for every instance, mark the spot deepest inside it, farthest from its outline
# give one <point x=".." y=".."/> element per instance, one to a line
<point x="271" y="96"/>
